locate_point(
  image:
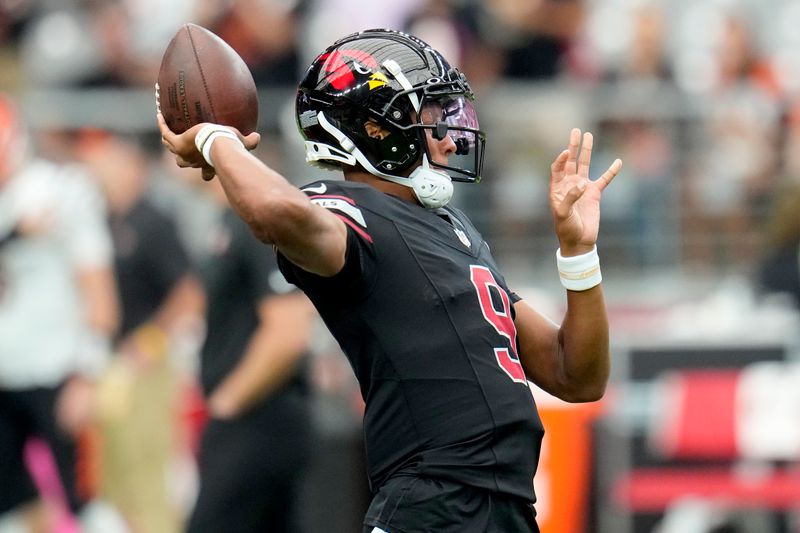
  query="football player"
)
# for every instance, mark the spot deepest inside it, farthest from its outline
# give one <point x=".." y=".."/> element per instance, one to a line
<point x="58" y="310"/>
<point x="443" y="349"/>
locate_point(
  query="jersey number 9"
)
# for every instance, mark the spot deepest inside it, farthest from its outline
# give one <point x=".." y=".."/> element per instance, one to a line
<point x="483" y="280"/>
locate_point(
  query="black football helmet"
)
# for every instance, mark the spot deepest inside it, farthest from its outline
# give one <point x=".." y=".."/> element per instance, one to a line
<point x="405" y="86"/>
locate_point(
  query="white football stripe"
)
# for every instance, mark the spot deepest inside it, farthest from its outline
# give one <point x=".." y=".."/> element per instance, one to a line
<point x="343" y="206"/>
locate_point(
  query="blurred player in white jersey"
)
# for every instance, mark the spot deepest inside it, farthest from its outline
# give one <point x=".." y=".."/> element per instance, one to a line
<point x="57" y="311"/>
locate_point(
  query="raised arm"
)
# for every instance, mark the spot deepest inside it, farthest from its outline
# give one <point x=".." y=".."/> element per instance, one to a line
<point x="277" y="212"/>
<point x="571" y="361"/>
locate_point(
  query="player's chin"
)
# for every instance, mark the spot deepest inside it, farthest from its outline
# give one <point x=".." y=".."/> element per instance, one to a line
<point x="440" y="166"/>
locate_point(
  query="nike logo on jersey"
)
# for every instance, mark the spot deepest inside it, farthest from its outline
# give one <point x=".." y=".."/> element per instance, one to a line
<point x="319" y="189"/>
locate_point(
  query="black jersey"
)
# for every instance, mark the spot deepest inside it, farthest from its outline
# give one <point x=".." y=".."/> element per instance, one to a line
<point x="240" y="273"/>
<point x="149" y="259"/>
<point x="426" y="320"/>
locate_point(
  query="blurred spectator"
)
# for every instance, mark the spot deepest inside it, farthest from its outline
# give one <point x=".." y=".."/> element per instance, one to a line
<point x="534" y="35"/>
<point x="736" y="161"/>
<point x="118" y="63"/>
<point x="450" y="28"/>
<point x="328" y="20"/>
<point x="642" y="209"/>
<point x="645" y="58"/>
<point x="161" y="303"/>
<point x="59" y="46"/>
<point x="13" y="16"/>
<point x="155" y="290"/>
<point x="196" y="213"/>
<point x="511" y="39"/>
<point x="645" y="137"/>
<point x="102" y="43"/>
<point x="255" y="447"/>
<point x="779" y="270"/>
<point x="265" y="34"/>
<point x="58" y="310"/>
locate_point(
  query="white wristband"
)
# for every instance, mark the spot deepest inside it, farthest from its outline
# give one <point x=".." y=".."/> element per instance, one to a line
<point x="579" y="272"/>
<point x="208" y="134"/>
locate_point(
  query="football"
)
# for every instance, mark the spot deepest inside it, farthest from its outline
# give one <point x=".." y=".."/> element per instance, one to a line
<point x="203" y="79"/>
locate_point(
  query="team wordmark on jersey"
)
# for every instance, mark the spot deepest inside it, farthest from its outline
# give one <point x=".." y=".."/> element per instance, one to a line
<point x="341" y="204"/>
<point x="354" y="217"/>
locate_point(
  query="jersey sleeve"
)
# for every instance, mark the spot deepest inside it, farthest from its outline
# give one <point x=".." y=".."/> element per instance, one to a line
<point x="359" y="269"/>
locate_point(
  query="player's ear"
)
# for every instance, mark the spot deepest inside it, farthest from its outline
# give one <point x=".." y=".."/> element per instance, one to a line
<point x="375" y="130"/>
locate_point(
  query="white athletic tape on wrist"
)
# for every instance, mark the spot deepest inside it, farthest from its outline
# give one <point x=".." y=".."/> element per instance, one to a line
<point x="579" y="272"/>
<point x="202" y="135"/>
<point x="208" y="134"/>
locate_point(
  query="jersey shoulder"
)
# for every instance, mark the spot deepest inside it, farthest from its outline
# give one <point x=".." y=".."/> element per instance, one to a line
<point x="353" y="203"/>
<point x="360" y="193"/>
<point x="360" y="203"/>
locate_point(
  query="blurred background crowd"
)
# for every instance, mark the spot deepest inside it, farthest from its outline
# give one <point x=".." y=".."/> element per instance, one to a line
<point x="700" y="238"/>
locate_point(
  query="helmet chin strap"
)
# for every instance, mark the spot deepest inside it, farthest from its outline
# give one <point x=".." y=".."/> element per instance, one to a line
<point x="433" y="188"/>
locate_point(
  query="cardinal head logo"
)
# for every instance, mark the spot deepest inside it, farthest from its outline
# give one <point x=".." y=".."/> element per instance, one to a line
<point x="345" y="68"/>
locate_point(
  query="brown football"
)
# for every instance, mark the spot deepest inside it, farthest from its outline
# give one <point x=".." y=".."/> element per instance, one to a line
<point x="203" y="79"/>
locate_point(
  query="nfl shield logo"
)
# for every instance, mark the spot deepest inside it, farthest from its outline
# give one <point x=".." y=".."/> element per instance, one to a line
<point x="462" y="237"/>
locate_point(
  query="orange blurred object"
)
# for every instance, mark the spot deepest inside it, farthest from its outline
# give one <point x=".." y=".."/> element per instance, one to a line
<point x="563" y="479"/>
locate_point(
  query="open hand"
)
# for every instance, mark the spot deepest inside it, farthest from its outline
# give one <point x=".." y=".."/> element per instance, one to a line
<point x="574" y="198"/>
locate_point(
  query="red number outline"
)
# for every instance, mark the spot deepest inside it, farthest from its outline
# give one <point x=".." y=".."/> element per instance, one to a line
<point x="508" y="360"/>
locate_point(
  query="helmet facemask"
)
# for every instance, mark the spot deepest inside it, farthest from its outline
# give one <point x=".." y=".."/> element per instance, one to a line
<point x="454" y="116"/>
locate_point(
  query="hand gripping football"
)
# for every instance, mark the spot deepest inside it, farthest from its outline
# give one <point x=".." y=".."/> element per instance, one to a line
<point x="203" y="79"/>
